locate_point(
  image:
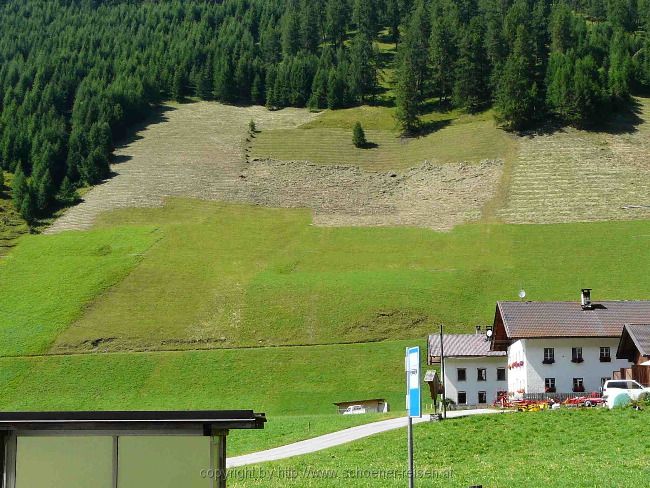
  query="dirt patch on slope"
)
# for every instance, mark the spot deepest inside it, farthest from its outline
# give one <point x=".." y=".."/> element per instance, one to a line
<point x="437" y="196"/>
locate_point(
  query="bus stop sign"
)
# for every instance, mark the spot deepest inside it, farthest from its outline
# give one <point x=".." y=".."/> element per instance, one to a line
<point x="413" y="397"/>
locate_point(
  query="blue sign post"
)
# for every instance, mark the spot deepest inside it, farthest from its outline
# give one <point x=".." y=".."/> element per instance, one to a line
<point x="413" y="400"/>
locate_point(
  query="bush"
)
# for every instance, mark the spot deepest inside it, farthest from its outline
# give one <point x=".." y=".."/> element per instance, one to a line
<point x="251" y="127"/>
<point x="358" y="136"/>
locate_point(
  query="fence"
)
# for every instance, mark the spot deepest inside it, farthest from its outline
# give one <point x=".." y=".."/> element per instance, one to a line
<point x="555" y="396"/>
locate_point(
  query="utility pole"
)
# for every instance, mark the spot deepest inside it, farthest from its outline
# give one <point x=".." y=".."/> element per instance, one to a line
<point x="442" y="373"/>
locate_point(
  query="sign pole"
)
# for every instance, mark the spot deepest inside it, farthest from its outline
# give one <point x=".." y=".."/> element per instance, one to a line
<point x="413" y="402"/>
<point x="410" y="449"/>
<point x="442" y="373"/>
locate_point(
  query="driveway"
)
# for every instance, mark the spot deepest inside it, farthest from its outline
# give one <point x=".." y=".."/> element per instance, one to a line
<point x="338" y="438"/>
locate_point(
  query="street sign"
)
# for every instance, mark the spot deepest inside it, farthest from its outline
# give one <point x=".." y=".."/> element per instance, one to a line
<point x="413" y="397"/>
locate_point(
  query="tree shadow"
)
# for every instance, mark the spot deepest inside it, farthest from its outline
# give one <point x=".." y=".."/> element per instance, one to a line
<point x="158" y="116"/>
<point x="625" y="120"/>
<point x="120" y="158"/>
<point x="368" y="145"/>
<point x="430" y="126"/>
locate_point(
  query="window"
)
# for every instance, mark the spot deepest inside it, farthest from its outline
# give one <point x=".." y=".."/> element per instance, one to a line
<point x="578" y="385"/>
<point x="605" y="355"/>
<point x="462" y="374"/>
<point x="549" y="385"/>
<point x="549" y="355"/>
<point x="482" y="374"/>
<point x="501" y="374"/>
<point x="633" y="385"/>
<point x="576" y="355"/>
<point x="603" y="380"/>
<point x="482" y="397"/>
<point x="462" y="398"/>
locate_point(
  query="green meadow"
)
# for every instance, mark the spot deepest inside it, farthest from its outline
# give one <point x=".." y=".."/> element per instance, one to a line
<point x="226" y="276"/>
<point x="573" y="449"/>
<point x="202" y="275"/>
<point x="277" y="380"/>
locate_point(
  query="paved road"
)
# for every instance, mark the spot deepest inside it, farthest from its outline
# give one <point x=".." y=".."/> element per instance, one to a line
<point x="337" y="438"/>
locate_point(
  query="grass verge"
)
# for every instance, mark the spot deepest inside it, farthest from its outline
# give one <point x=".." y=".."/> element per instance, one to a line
<point x="567" y="448"/>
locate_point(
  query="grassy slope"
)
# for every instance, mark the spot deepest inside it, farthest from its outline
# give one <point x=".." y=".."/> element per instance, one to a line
<point x="279" y="381"/>
<point x="585" y="448"/>
<point x="277" y="280"/>
<point x="328" y="140"/>
<point x="46" y="281"/>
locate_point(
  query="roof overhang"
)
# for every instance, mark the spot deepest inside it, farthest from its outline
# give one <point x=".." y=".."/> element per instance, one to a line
<point x="203" y="422"/>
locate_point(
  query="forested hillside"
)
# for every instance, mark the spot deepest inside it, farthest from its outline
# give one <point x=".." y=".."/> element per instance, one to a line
<point x="75" y="74"/>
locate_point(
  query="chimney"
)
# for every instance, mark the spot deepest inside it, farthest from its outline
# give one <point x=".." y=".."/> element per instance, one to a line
<point x="585" y="299"/>
<point x="478" y="329"/>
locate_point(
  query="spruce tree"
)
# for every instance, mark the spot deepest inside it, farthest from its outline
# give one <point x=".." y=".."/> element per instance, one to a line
<point x="358" y="136"/>
<point x="364" y="15"/>
<point x="19" y="188"/>
<point x="620" y="67"/>
<point x="407" y="97"/>
<point x="472" y="73"/>
<point x="336" y="21"/>
<point x="363" y="73"/>
<point x="27" y="208"/>
<point x="517" y="93"/>
<point x="443" y="52"/>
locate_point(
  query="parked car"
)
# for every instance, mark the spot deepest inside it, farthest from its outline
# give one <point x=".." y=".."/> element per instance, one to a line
<point x="633" y="388"/>
<point x="354" y="410"/>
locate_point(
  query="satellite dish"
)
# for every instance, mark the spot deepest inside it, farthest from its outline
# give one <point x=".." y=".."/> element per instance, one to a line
<point x="522" y="294"/>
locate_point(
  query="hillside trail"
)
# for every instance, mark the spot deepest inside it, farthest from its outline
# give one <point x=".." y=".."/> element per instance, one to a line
<point x="188" y="150"/>
<point x="338" y="438"/>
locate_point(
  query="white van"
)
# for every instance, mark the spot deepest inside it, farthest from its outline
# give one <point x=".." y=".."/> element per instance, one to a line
<point x="611" y="388"/>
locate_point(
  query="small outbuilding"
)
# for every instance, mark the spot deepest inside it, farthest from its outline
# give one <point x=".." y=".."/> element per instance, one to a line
<point x="635" y="347"/>
<point x="154" y="449"/>
<point x="374" y="405"/>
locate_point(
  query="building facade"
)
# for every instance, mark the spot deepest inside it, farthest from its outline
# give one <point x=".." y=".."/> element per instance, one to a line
<point x="563" y="347"/>
<point x="562" y="365"/>
<point x="474" y="375"/>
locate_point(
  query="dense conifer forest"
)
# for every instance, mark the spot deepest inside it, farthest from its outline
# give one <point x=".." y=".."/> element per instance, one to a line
<point x="76" y="74"/>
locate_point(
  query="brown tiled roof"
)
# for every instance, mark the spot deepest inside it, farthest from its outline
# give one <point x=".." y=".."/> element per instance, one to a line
<point x="568" y="319"/>
<point x="462" y="345"/>
<point x="635" y="336"/>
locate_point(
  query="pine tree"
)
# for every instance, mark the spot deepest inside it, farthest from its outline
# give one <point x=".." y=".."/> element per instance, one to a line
<point x="20" y="188"/>
<point x="2" y="180"/>
<point x="363" y="73"/>
<point x="364" y="16"/>
<point x="559" y="82"/>
<point x="407" y="97"/>
<point x="336" y="21"/>
<point x="416" y="42"/>
<point x="178" y="85"/>
<point x="358" y="136"/>
<point x="517" y="93"/>
<point x="620" y="67"/>
<point x="309" y="26"/>
<point x="290" y="33"/>
<point x="472" y="73"/>
<point x="443" y="52"/>
<point x="27" y="208"/>
<point x="44" y="189"/>
<point x="67" y="193"/>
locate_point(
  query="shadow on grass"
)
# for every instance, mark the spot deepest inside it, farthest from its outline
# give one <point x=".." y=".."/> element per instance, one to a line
<point x="624" y="120"/>
<point x="368" y="145"/>
<point x="158" y="116"/>
<point x="429" y="127"/>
